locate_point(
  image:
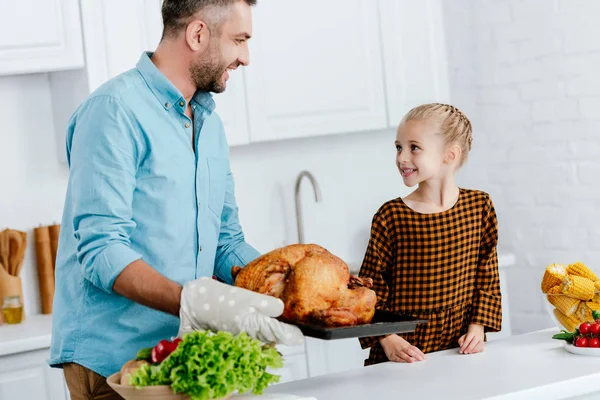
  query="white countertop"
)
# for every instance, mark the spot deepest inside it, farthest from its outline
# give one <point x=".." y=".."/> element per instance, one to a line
<point x="530" y="366"/>
<point x="33" y="333"/>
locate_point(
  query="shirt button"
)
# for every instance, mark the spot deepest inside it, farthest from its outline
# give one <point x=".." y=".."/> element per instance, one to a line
<point x="181" y="103"/>
<point x="167" y="105"/>
<point x="187" y="124"/>
<point x="200" y="248"/>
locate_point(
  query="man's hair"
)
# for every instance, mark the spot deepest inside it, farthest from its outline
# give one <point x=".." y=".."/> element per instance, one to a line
<point x="176" y="14"/>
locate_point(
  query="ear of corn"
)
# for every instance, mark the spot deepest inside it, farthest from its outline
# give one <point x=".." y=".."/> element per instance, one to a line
<point x="569" y="323"/>
<point x="578" y="287"/>
<point x="564" y="304"/>
<point x="584" y="313"/>
<point x="597" y="286"/>
<point x="593" y="305"/>
<point x="553" y="276"/>
<point x="554" y="290"/>
<point x="580" y="269"/>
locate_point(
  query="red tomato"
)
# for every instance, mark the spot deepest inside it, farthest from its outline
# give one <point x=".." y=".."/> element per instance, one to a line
<point x="177" y="340"/>
<point x="581" y="342"/>
<point x="594" y="342"/>
<point x="162" y="350"/>
<point x="585" y="327"/>
<point x="595" y="329"/>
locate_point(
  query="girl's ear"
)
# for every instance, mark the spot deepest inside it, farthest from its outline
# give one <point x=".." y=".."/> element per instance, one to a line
<point x="453" y="154"/>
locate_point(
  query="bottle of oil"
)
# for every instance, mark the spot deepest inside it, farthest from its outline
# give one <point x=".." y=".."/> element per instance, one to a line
<point x="12" y="310"/>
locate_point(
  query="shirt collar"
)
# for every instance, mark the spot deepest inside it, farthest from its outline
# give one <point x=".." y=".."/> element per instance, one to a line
<point x="164" y="90"/>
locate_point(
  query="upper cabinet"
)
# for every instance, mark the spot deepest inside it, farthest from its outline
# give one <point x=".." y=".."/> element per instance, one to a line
<point x="39" y="36"/>
<point x="116" y="33"/>
<point x="414" y="54"/>
<point x="231" y="107"/>
<point x="315" y="69"/>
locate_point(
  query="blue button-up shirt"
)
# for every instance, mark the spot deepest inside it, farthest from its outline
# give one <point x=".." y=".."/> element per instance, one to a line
<point x="139" y="190"/>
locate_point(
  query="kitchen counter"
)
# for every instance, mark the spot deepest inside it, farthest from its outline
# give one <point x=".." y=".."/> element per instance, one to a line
<point x="33" y="333"/>
<point x="529" y="366"/>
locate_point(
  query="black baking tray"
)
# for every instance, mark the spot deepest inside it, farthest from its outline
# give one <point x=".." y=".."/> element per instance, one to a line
<point x="383" y="323"/>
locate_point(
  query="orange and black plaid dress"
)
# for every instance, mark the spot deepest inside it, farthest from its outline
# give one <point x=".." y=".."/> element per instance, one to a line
<point x="442" y="267"/>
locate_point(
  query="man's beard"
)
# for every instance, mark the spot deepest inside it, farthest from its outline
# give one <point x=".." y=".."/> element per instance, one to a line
<point x="207" y="73"/>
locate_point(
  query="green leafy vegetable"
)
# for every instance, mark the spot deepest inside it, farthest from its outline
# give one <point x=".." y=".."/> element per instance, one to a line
<point x="565" y="335"/>
<point x="211" y="366"/>
<point x="596" y="314"/>
<point x="144" y="354"/>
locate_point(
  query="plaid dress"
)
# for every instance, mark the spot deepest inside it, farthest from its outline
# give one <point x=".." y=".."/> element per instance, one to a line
<point x="442" y="267"/>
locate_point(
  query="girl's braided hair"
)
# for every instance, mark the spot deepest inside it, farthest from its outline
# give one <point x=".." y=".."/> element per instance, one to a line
<point x="454" y="124"/>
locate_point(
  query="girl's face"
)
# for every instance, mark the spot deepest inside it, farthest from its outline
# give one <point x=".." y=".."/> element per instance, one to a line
<point x="420" y="152"/>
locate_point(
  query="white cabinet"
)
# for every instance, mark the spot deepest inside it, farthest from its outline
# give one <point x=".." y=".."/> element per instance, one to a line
<point x="331" y="356"/>
<point x="294" y="364"/>
<point x="415" y="58"/>
<point x="116" y="33"/>
<point x="39" y="36"/>
<point x="27" y="376"/>
<point x="315" y="69"/>
<point x="231" y="107"/>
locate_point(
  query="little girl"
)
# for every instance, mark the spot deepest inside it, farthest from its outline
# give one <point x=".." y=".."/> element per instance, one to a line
<point x="432" y="254"/>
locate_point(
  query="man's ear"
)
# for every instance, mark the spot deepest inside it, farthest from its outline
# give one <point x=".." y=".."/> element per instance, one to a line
<point x="197" y="35"/>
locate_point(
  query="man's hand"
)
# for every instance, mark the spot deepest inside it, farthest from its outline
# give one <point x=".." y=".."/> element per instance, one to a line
<point x="472" y="342"/>
<point x="399" y="350"/>
<point x="208" y="304"/>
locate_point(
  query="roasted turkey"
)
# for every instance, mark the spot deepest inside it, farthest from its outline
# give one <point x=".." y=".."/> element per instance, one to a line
<point x="314" y="285"/>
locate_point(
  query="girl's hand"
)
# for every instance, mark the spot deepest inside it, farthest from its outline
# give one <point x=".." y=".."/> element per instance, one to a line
<point x="399" y="350"/>
<point x="472" y="341"/>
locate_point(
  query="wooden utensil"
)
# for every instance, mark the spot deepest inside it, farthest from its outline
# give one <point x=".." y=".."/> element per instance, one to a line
<point x="43" y="251"/>
<point x="54" y="231"/>
<point x="4" y="250"/>
<point x="17" y="243"/>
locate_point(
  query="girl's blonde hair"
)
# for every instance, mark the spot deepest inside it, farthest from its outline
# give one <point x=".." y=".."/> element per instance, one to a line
<point x="454" y="125"/>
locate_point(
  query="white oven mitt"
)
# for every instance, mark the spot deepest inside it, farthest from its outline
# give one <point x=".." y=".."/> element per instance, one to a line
<point x="211" y="305"/>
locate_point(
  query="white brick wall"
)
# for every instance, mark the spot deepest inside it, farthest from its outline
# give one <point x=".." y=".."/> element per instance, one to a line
<point x="527" y="74"/>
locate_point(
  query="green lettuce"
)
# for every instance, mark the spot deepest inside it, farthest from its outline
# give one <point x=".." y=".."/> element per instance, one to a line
<point x="209" y="365"/>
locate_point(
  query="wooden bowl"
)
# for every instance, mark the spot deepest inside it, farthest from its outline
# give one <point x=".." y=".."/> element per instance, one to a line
<point x="162" y="392"/>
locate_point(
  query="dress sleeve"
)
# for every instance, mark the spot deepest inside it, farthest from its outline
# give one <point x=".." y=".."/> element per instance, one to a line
<point x="376" y="263"/>
<point x="487" y="304"/>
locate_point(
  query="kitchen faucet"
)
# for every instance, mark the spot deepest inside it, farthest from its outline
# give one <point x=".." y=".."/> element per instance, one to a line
<point x="317" y="191"/>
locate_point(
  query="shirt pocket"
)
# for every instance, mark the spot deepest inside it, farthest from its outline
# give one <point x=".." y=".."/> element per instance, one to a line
<point x="218" y="171"/>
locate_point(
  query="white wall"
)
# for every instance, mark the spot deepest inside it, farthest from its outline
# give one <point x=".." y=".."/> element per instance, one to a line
<point x="33" y="182"/>
<point x="526" y="72"/>
<point x="356" y="173"/>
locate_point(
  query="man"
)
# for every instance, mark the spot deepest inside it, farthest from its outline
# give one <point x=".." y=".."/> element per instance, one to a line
<point x="150" y="206"/>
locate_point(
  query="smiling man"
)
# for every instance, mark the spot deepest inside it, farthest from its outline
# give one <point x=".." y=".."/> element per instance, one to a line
<point x="150" y="207"/>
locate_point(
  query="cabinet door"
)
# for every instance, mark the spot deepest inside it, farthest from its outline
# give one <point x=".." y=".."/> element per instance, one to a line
<point x="315" y="69"/>
<point x="116" y="33"/>
<point x="27" y="376"/>
<point x="415" y="61"/>
<point x="231" y="107"/>
<point x="294" y="363"/>
<point x="331" y="356"/>
<point x="39" y="36"/>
